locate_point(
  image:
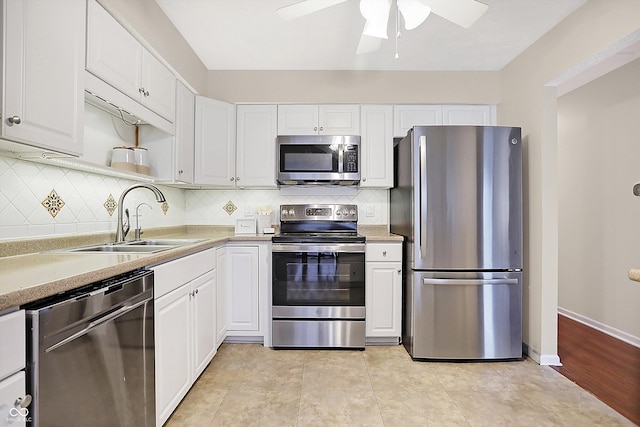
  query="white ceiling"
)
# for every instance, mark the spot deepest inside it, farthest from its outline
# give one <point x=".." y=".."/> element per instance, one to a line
<point x="250" y="35"/>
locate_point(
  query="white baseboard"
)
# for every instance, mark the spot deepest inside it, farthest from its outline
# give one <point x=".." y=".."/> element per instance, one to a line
<point x="541" y="359"/>
<point x="606" y="329"/>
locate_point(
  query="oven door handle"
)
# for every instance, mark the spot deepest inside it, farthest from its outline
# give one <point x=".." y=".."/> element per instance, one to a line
<point x="314" y="247"/>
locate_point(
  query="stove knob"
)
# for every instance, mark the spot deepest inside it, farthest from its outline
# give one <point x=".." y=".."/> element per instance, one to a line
<point x="283" y="213"/>
<point x="352" y="212"/>
<point x="292" y="212"/>
<point x="337" y="213"/>
<point x="345" y="212"/>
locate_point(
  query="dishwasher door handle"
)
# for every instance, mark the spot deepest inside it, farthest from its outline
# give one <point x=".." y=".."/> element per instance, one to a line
<point x="94" y="324"/>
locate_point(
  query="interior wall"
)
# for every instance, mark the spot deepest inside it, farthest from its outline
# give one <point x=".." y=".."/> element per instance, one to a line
<point x="599" y="217"/>
<point x="435" y="87"/>
<point x="154" y="26"/>
<point x="527" y="101"/>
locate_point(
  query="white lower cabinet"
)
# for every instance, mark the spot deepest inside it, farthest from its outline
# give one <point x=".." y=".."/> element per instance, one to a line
<point x="246" y="271"/>
<point x="12" y="363"/>
<point x="383" y="292"/>
<point x="185" y="327"/>
<point x="12" y="388"/>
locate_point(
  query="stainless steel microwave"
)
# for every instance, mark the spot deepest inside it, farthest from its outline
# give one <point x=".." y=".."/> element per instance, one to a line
<point x="318" y="159"/>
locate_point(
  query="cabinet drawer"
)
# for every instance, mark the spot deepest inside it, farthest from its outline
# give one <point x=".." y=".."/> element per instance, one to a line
<point x="12" y="337"/>
<point x="384" y="252"/>
<point x="173" y="274"/>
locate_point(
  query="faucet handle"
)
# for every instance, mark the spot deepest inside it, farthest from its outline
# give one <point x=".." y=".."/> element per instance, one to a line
<point x="126" y="224"/>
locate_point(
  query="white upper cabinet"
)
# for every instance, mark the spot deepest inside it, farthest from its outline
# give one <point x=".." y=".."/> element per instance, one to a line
<point x="469" y="115"/>
<point x="376" y="147"/>
<point x="256" y="146"/>
<point x="407" y="116"/>
<point x="336" y="119"/>
<point x="185" y="133"/>
<point x="215" y="143"/>
<point x="43" y="85"/>
<point x="116" y="57"/>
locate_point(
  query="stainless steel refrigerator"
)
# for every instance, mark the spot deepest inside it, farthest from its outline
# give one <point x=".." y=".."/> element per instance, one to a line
<point x="457" y="200"/>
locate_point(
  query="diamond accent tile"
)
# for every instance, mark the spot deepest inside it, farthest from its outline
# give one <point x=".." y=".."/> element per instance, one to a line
<point x="53" y="203"/>
<point x="164" y="207"/>
<point x="111" y="205"/>
<point x="230" y="208"/>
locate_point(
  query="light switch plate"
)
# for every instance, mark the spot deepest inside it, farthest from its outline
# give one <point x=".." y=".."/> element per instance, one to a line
<point x="246" y="226"/>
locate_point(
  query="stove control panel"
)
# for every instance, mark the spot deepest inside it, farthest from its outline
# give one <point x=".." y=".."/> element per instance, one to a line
<point x="318" y="212"/>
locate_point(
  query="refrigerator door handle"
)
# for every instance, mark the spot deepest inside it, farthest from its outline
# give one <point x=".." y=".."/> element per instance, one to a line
<point x="423" y="197"/>
<point x="469" y="281"/>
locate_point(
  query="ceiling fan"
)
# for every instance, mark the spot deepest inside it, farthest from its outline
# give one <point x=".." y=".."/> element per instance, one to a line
<point x="376" y="13"/>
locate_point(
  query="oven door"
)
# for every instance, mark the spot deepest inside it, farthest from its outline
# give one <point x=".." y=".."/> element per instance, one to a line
<point x="318" y="281"/>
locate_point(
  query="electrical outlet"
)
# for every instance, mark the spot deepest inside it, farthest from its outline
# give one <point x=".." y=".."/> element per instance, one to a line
<point x="248" y="211"/>
<point x="370" y="210"/>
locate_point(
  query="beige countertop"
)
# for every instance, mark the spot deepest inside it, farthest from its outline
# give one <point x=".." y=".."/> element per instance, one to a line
<point x="35" y="269"/>
<point x="634" y="274"/>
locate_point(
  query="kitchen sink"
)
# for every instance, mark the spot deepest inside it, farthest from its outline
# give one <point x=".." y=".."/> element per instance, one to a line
<point x="137" y="247"/>
<point x="163" y="242"/>
<point x="110" y="248"/>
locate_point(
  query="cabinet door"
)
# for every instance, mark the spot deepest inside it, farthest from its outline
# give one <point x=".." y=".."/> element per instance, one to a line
<point x="339" y="119"/>
<point x="383" y="299"/>
<point x="44" y="73"/>
<point x="11" y="389"/>
<point x="242" y="272"/>
<point x="376" y="147"/>
<point x="184" y="140"/>
<point x="221" y="294"/>
<point x="173" y="350"/>
<point x="113" y="54"/>
<point x="479" y="115"/>
<point x="256" y="146"/>
<point x="407" y="116"/>
<point x="159" y="86"/>
<point x="297" y="119"/>
<point x="215" y="136"/>
<point x="203" y="295"/>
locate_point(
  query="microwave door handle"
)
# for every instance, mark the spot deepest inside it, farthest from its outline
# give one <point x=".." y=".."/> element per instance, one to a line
<point x="340" y="158"/>
<point x="422" y="197"/>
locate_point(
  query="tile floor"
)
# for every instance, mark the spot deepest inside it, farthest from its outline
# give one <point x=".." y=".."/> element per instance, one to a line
<point x="250" y="385"/>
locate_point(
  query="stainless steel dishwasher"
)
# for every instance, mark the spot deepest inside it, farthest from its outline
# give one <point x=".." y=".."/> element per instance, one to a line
<point x="90" y="355"/>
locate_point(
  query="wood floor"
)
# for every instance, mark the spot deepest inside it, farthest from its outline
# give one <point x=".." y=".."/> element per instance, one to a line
<point x="603" y="365"/>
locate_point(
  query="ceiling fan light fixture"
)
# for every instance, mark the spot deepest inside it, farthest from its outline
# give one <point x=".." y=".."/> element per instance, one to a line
<point x="414" y="13"/>
<point x="376" y="12"/>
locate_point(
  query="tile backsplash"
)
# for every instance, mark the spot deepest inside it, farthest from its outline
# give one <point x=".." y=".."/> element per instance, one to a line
<point x="39" y="199"/>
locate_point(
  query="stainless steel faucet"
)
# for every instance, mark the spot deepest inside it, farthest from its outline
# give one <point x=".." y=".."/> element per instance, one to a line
<point x="120" y="233"/>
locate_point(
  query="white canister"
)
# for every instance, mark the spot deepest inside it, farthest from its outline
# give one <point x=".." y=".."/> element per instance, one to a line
<point x="123" y="158"/>
<point x="141" y="160"/>
<point x="264" y="221"/>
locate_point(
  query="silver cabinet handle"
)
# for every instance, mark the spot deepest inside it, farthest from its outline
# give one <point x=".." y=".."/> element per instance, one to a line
<point x="141" y="90"/>
<point x="232" y="179"/>
<point x="364" y="179"/>
<point x="180" y="171"/>
<point x="321" y="128"/>
<point x="399" y="271"/>
<point x="14" y="120"/>
<point x="315" y="128"/>
<point x="237" y="178"/>
<point x="384" y="253"/>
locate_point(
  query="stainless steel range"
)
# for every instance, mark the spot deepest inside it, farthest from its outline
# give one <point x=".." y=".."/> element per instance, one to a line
<point x="318" y="278"/>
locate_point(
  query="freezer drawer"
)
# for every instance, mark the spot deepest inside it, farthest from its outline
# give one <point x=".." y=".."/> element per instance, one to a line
<point x="470" y="316"/>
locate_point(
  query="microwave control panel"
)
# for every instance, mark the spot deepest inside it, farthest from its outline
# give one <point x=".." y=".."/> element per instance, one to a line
<point x="350" y="158"/>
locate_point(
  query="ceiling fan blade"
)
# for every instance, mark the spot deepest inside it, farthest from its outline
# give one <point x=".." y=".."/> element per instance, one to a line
<point x="368" y="44"/>
<point x="305" y="7"/>
<point x="460" y="12"/>
<point x="414" y="12"/>
<point x="376" y="12"/>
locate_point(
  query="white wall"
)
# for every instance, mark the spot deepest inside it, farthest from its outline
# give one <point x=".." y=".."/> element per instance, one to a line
<point x="525" y="99"/>
<point x="599" y="217"/>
